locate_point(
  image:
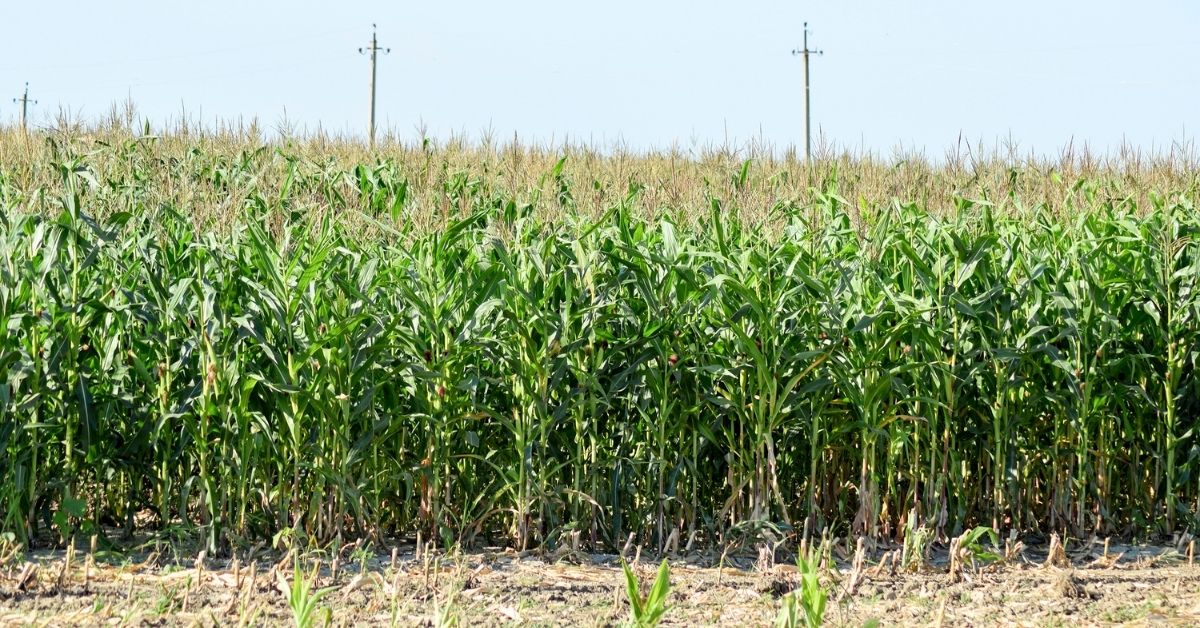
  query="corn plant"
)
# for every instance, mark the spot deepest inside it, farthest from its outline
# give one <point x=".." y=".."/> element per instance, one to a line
<point x="302" y="599"/>
<point x="804" y="606"/>
<point x="646" y="611"/>
<point x="231" y="340"/>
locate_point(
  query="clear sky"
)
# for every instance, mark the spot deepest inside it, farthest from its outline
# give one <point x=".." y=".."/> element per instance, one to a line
<point x="648" y="73"/>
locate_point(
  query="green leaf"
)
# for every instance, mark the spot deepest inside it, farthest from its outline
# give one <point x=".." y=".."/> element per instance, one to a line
<point x="633" y="594"/>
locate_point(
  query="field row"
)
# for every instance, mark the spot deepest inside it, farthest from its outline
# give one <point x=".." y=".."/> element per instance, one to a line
<point x="589" y="380"/>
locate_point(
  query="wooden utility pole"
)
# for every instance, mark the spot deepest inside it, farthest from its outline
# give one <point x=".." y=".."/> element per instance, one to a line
<point x="24" y="102"/>
<point x="373" y="49"/>
<point x="805" y="52"/>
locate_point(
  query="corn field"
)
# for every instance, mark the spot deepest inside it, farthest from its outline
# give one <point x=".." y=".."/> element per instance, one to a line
<point x="514" y="368"/>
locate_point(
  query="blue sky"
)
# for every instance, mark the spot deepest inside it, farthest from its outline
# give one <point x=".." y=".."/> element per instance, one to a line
<point x="647" y="73"/>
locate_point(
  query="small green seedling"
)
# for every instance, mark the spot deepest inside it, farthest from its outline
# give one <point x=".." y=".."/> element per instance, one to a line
<point x="646" y="612"/>
<point x="970" y="544"/>
<point x="301" y="598"/>
<point x="806" y="605"/>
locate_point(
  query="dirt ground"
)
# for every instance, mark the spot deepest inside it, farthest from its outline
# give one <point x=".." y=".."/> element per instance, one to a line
<point x="1127" y="586"/>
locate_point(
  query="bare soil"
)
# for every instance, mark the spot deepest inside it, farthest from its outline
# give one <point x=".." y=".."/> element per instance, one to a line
<point x="1127" y="586"/>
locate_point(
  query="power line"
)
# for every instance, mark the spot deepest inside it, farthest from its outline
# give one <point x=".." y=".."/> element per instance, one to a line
<point x="24" y="102"/>
<point x="373" y="49"/>
<point x="805" y="52"/>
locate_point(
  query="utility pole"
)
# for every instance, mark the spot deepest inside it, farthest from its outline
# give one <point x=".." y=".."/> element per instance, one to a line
<point x="24" y="102"/>
<point x="373" y="50"/>
<point x="805" y="52"/>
